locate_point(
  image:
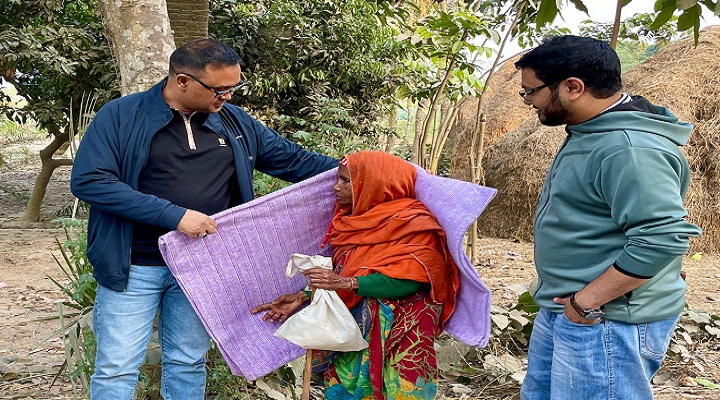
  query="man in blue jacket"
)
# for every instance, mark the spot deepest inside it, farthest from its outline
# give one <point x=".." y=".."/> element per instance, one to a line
<point x="610" y="228"/>
<point x="156" y="161"/>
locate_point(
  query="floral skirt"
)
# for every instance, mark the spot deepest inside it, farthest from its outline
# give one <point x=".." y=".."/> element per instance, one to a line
<point x="400" y="362"/>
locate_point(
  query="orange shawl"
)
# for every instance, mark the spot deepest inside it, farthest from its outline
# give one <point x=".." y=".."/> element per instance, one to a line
<point x="388" y="231"/>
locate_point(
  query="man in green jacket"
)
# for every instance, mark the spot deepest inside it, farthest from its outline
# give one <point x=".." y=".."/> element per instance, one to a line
<point x="610" y="228"/>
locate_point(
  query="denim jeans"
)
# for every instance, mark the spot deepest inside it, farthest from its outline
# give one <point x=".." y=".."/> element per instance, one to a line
<point x="609" y="361"/>
<point x="123" y="323"/>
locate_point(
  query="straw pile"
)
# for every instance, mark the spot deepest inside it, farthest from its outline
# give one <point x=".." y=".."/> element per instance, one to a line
<point x="684" y="78"/>
<point x="516" y="165"/>
<point x="504" y="111"/>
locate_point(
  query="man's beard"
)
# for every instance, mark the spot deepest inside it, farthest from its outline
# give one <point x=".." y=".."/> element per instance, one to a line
<point x="554" y="113"/>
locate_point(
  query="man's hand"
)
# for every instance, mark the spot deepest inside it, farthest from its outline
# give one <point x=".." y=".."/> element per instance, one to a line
<point x="282" y="307"/>
<point x="572" y="315"/>
<point x="196" y="224"/>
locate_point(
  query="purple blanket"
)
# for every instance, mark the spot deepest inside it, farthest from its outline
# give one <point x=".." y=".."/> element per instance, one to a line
<point x="226" y="274"/>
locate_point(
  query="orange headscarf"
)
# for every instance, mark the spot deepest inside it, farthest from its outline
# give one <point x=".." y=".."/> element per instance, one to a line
<point x="388" y="231"/>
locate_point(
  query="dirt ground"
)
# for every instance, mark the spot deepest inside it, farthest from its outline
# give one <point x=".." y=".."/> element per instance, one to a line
<point x="31" y="351"/>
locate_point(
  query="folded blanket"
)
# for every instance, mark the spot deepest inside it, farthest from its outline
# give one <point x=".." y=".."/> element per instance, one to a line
<point x="227" y="274"/>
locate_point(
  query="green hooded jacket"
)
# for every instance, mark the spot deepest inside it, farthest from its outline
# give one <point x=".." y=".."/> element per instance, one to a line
<point x="614" y="195"/>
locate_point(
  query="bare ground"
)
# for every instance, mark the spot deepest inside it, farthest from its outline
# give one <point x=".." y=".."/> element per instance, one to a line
<point x="31" y="351"/>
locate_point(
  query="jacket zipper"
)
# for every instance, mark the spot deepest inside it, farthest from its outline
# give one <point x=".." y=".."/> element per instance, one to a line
<point x="189" y="131"/>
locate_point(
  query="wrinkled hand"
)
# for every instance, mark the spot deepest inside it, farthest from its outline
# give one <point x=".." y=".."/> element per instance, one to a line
<point x="196" y="224"/>
<point x="572" y="315"/>
<point x="323" y="278"/>
<point x="282" y="307"/>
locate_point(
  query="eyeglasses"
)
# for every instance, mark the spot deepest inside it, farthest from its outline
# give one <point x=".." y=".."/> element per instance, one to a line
<point x="525" y="93"/>
<point x="218" y="93"/>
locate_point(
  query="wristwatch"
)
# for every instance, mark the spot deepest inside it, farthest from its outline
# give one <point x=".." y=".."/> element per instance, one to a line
<point x="587" y="313"/>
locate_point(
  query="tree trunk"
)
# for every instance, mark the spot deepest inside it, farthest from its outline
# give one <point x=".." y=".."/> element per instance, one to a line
<point x="616" y="24"/>
<point x="392" y="126"/>
<point x="142" y="40"/>
<point x="32" y="211"/>
<point x="188" y="19"/>
<point x="419" y="120"/>
<point x="406" y="134"/>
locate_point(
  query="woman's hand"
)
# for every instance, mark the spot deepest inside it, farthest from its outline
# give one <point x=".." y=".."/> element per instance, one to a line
<point x="323" y="278"/>
<point x="282" y="307"/>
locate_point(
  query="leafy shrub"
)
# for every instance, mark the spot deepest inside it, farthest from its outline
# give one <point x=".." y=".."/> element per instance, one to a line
<point x="327" y="70"/>
<point x="76" y="326"/>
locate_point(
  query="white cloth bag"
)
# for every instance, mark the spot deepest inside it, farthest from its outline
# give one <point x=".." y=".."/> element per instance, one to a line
<point x="325" y="324"/>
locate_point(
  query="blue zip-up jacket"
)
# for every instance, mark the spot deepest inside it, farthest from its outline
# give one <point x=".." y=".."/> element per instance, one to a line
<point x="114" y="151"/>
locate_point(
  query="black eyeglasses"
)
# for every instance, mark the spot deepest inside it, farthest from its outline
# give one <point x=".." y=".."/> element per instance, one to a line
<point x="529" y="92"/>
<point x="218" y="93"/>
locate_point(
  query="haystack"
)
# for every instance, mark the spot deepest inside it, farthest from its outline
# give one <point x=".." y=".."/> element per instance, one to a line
<point x="504" y="111"/>
<point x="682" y="77"/>
<point x="516" y="165"/>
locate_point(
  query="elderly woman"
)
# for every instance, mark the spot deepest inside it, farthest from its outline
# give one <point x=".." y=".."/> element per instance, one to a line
<point x="393" y="271"/>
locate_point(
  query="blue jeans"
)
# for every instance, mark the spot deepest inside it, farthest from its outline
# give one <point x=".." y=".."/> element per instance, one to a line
<point x="609" y="361"/>
<point x="123" y="323"/>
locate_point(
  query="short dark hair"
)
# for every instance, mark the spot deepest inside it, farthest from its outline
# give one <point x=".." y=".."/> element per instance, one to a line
<point x="591" y="60"/>
<point x="197" y="54"/>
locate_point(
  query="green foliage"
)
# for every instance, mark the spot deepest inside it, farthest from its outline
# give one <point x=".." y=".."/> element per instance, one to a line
<point x="75" y="266"/>
<point x="636" y="39"/>
<point x="547" y="12"/>
<point x="320" y="132"/>
<point x="439" y="40"/>
<point x="639" y="27"/>
<point x="631" y="54"/>
<point x="222" y="384"/>
<point x="264" y="184"/>
<point x="529" y="31"/>
<point x="51" y="50"/>
<point x="326" y="68"/>
<point x="689" y="18"/>
<point x="75" y="327"/>
<point x="500" y="364"/>
<point x="511" y="327"/>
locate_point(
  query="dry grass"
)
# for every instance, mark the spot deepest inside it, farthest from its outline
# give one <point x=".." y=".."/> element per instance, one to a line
<point x="516" y="165"/>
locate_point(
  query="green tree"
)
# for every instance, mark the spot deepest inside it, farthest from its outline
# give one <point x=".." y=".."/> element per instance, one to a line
<point x="664" y="11"/>
<point x="54" y="53"/>
<point x="636" y="40"/>
<point x="321" y="71"/>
